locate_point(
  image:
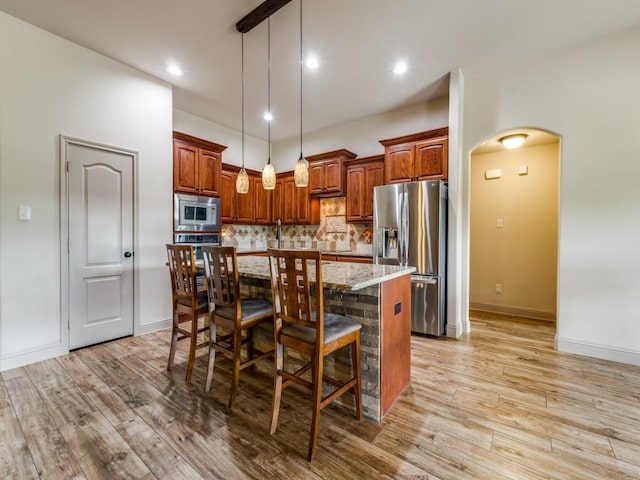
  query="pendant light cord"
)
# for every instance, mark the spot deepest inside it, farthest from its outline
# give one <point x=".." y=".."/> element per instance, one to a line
<point x="242" y="95"/>
<point x="301" y="79"/>
<point x="269" y="86"/>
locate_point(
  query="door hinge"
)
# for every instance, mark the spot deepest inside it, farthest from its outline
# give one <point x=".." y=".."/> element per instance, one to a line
<point x="67" y="166"/>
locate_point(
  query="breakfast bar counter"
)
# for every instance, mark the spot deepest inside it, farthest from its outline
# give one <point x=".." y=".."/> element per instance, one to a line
<point x="378" y="297"/>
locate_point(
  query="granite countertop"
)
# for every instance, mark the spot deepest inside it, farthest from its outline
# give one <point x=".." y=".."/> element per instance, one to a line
<point x="346" y="253"/>
<point x="336" y="275"/>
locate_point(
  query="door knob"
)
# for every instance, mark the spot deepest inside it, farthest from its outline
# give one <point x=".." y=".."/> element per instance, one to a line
<point x="128" y="254"/>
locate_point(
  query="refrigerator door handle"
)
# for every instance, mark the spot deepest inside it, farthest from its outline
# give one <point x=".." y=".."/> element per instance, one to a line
<point x="420" y="278"/>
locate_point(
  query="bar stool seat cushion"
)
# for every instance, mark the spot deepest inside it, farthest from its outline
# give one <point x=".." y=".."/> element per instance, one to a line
<point x="203" y="300"/>
<point x="335" y="326"/>
<point x="250" y="309"/>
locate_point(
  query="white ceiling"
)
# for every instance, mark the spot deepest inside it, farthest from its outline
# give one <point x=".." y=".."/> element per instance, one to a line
<point x="357" y="42"/>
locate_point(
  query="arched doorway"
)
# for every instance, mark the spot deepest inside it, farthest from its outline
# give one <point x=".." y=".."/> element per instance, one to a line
<point x="513" y="226"/>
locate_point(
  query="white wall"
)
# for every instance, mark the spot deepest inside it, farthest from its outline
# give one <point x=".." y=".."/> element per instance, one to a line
<point x="49" y="87"/>
<point x="588" y="96"/>
<point x="522" y="254"/>
<point x="363" y="136"/>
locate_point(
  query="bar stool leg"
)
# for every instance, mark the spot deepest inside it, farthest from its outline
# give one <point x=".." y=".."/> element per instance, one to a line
<point x="277" y="386"/>
<point x="317" y="400"/>
<point x="174" y="339"/>
<point x="237" y="345"/>
<point x="192" y="348"/>
<point x="212" y="356"/>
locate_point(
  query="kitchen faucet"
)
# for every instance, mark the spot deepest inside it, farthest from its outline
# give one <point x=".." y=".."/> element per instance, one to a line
<point x="279" y="232"/>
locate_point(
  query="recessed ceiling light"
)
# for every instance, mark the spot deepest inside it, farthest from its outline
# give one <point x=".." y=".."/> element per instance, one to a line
<point x="174" y="70"/>
<point x="312" y="62"/>
<point x="400" y="68"/>
<point x="268" y="116"/>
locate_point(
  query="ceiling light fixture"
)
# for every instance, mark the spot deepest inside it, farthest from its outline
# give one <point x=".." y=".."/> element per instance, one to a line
<point x="301" y="172"/>
<point x="174" y="70"/>
<point x="268" y="173"/>
<point x="312" y="62"/>
<point x="242" y="181"/>
<point x="400" y="68"/>
<point x="513" y="141"/>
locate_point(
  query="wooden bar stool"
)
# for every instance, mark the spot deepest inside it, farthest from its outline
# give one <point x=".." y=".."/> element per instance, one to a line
<point x="301" y="324"/>
<point x="234" y="314"/>
<point x="189" y="303"/>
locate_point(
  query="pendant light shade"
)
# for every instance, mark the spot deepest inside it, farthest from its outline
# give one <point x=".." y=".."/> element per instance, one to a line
<point x="301" y="172"/>
<point x="242" y="181"/>
<point x="268" y="177"/>
<point x="268" y="172"/>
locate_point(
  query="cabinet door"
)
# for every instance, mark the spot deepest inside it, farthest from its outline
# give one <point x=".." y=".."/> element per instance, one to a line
<point x="355" y="193"/>
<point x="373" y="176"/>
<point x="246" y="203"/>
<point x="303" y="208"/>
<point x="333" y="177"/>
<point x="289" y="200"/>
<point x="228" y="196"/>
<point x="316" y="178"/>
<point x="431" y="159"/>
<point x="277" y="201"/>
<point x="263" y="199"/>
<point x="209" y="165"/>
<point x="185" y="164"/>
<point x="399" y="163"/>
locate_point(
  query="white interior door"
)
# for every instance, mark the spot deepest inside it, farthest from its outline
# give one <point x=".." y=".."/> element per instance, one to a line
<point x="100" y="250"/>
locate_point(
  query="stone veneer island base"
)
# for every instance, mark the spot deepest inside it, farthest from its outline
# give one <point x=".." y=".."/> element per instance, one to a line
<point x="377" y="296"/>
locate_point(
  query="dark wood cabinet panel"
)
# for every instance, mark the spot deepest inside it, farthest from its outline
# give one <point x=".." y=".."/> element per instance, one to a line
<point x="327" y="174"/>
<point x="431" y="159"/>
<point x="277" y="201"/>
<point x="362" y="176"/>
<point x="237" y="207"/>
<point x="209" y="169"/>
<point x="185" y="161"/>
<point x="263" y="200"/>
<point x="297" y="206"/>
<point x="421" y="156"/>
<point x="197" y="165"/>
<point x="227" y="196"/>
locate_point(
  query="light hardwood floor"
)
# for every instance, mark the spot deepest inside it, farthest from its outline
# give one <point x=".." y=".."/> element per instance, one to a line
<point x="498" y="404"/>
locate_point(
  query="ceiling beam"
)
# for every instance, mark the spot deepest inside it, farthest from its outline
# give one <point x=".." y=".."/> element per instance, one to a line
<point x="260" y="13"/>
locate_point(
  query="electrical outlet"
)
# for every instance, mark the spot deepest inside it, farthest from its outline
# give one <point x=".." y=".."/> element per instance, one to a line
<point x="498" y="288"/>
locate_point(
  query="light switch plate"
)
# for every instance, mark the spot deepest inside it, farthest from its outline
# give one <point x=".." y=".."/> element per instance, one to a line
<point x="24" y="212"/>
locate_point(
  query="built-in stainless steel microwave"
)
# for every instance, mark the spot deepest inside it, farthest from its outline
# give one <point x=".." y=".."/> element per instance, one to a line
<point x="192" y="213"/>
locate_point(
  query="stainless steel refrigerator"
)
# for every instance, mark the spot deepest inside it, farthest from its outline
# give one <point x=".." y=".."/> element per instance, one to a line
<point x="410" y="228"/>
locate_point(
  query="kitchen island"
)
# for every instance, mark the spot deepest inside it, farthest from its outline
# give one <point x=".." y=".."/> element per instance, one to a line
<point x="378" y="297"/>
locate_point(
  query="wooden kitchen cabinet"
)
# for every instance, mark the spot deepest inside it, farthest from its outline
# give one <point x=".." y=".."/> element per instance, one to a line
<point x="263" y="200"/>
<point x="196" y="165"/>
<point x="362" y="176"/>
<point x="277" y="200"/>
<point x="297" y="206"/>
<point x="236" y="207"/>
<point x="327" y="174"/>
<point x="421" y="156"/>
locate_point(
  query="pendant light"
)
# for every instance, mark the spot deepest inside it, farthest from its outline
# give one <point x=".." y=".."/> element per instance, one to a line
<point x="268" y="173"/>
<point x="242" y="181"/>
<point x="301" y="172"/>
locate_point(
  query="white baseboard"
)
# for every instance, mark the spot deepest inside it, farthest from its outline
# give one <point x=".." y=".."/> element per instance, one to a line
<point x="453" y="331"/>
<point x="25" y="358"/>
<point x="514" y="311"/>
<point x="598" y="351"/>
<point x="152" y="327"/>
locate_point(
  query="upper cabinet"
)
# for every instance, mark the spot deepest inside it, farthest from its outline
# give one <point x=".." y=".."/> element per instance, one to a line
<point x="421" y="156"/>
<point x="297" y="207"/>
<point x="197" y="165"/>
<point x="237" y="207"/>
<point x="326" y="173"/>
<point x="363" y="175"/>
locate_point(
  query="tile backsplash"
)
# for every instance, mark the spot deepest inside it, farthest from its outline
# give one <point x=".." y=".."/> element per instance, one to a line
<point x="332" y="234"/>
